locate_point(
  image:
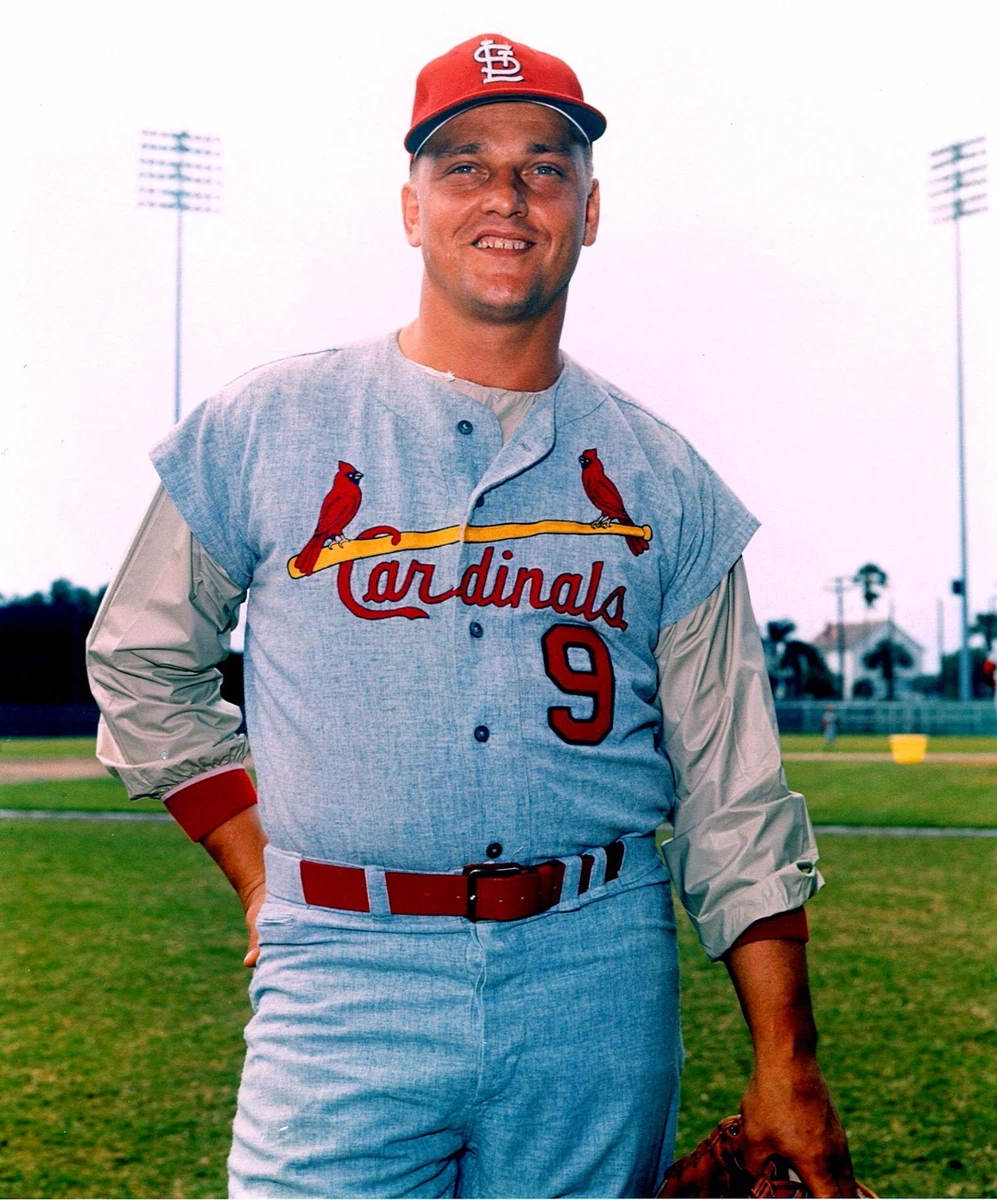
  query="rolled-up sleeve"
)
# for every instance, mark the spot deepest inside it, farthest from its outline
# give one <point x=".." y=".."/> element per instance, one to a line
<point x="153" y="654"/>
<point x="743" y="846"/>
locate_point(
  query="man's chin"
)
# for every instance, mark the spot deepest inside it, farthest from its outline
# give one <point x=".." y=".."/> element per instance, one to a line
<point x="506" y="308"/>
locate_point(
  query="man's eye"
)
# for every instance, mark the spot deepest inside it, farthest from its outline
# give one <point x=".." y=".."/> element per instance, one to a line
<point x="462" y="168"/>
<point x="547" y="169"/>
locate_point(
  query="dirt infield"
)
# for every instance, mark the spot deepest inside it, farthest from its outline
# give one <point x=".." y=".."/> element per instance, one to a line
<point x="31" y="770"/>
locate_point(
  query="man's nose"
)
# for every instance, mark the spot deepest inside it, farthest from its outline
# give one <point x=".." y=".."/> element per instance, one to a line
<point x="505" y="195"/>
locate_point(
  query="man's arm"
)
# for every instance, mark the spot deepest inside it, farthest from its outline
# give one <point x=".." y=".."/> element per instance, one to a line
<point x="237" y="847"/>
<point x="787" y="1108"/>
<point x="165" y="731"/>
<point x="743" y="859"/>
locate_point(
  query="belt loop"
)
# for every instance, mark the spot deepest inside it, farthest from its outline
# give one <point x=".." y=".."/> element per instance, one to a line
<point x="598" y="878"/>
<point x="283" y="874"/>
<point x="572" y="875"/>
<point x="377" y="892"/>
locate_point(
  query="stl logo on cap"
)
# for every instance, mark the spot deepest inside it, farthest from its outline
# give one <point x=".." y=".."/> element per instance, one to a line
<point x="508" y="70"/>
<point x="500" y="62"/>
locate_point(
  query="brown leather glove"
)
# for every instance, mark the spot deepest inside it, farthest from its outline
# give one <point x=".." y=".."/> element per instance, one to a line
<point x="715" y="1169"/>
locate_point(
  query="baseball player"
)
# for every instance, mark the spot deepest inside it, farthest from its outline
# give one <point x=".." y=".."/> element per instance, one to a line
<point x="498" y="630"/>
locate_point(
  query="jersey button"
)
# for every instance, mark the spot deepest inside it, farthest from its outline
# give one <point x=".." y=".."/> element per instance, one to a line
<point x="481" y="733"/>
<point x="465" y="427"/>
<point x="493" y="849"/>
<point x="476" y="629"/>
<point x="479" y="503"/>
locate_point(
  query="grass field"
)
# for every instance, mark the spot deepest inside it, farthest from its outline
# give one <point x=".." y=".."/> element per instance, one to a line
<point x="123" y="1002"/>
<point x="873" y="744"/>
<point x="791" y="742"/>
<point x="69" y="747"/>
<point x="837" y="792"/>
<point x="81" y="795"/>
<point x="849" y="793"/>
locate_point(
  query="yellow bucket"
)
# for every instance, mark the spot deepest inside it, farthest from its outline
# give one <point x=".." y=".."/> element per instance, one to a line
<point x="908" y="747"/>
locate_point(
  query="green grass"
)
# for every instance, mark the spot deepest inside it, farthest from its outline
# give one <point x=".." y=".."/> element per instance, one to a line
<point x="84" y="795"/>
<point x="886" y="794"/>
<point x="60" y="747"/>
<point x="73" y="747"/>
<point x="871" y="743"/>
<point x="903" y="946"/>
<point x="837" y="793"/>
<point x="123" y="1003"/>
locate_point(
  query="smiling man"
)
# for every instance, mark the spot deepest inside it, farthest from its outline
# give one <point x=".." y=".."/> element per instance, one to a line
<point x="498" y="631"/>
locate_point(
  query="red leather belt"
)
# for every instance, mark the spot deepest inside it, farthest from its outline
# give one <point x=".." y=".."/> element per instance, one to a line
<point x="492" y="891"/>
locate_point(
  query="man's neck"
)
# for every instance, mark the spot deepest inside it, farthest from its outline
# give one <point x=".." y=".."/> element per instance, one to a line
<point x="521" y="356"/>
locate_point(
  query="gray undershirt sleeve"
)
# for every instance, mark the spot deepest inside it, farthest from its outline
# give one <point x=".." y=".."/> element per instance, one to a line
<point x="743" y="846"/>
<point x="153" y="655"/>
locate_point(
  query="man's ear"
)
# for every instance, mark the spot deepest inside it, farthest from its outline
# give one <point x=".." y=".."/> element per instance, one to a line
<point x="410" y="214"/>
<point x="591" y="214"/>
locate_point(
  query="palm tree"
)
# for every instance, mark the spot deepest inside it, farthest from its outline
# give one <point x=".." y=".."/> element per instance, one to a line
<point x="804" y="667"/>
<point x="986" y="626"/>
<point x="775" y="647"/>
<point x="871" y="579"/>
<point x="885" y="657"/>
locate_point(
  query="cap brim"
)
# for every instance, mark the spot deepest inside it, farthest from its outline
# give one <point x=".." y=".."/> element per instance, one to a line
<point x="589" y="120"/>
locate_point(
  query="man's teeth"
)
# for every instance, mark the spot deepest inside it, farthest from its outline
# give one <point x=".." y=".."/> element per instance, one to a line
<point x="496" y="243"/>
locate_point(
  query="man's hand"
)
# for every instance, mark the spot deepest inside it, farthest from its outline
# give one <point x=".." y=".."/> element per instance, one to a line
<point x="787" y="1109"/>
<point x="237" y="847"/>
<point x="252" y="902"/>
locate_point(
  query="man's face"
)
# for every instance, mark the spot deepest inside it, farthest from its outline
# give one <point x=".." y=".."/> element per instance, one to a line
<point x="501" y="204"/>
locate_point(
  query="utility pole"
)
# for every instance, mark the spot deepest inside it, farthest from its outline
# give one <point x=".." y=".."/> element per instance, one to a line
<point x="841" y="585"/>
<point x="963" y="185"/>
<point x="183" y="161"/>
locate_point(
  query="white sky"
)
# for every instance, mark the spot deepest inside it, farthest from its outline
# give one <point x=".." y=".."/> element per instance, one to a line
<point x="766" y="278"/>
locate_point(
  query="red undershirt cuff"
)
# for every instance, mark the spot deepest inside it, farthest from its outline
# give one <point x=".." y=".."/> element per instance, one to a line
<point x="204" y="804"/>
<point x="790" y="926"/>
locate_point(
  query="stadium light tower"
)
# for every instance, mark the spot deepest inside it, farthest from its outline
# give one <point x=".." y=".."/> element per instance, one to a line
<point x="963" y="185"/>
<point x="183" y="161"/>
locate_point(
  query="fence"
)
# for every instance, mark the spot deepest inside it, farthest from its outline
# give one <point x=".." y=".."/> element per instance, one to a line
<point x="906" y="716"/>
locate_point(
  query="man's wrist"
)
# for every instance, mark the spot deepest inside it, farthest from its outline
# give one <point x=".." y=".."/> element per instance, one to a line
<point x="785" y="1041"/>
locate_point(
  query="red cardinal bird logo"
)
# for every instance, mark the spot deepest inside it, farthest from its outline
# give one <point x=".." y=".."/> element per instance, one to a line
<point x="338" y="509"/>
<point x="605" y="495"/>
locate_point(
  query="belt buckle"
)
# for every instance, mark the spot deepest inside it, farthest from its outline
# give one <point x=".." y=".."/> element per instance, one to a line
<point x="475" y="871"/>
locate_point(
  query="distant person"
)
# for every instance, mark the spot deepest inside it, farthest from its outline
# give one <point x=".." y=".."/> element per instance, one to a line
<point x="498" y="630"/>
<point x="829" y="724"/>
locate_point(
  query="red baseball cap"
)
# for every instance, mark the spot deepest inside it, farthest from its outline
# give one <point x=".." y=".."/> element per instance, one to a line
<point x="490" y="68"/>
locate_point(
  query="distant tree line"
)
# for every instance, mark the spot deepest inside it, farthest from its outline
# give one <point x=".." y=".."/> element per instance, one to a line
<point x="796" y="669"/>
<point x="42" y="640"/>
<point x="43" y="646"/>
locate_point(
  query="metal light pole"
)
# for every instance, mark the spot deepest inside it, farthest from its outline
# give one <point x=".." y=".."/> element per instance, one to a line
<point x="964" y="184"/>
<point x="183" y="161"/>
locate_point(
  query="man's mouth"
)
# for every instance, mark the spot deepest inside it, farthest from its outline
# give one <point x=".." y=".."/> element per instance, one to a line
<point x="488" y="242"/>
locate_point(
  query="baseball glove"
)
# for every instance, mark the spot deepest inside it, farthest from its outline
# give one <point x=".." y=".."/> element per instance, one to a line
<point x="715" y="1169"/>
